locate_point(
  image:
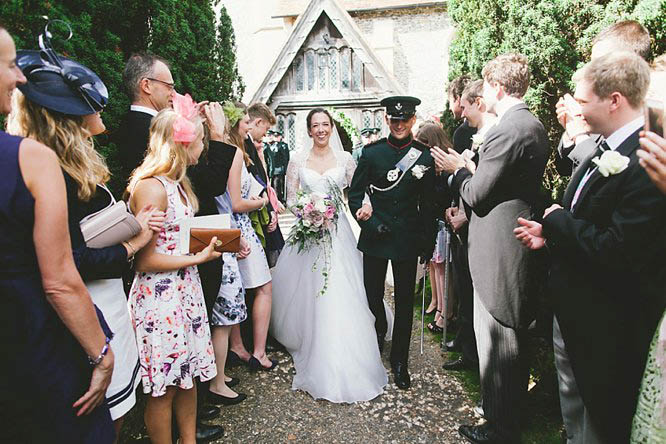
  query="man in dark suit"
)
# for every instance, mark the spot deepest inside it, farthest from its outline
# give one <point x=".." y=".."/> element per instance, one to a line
<point x="149" y="84"/>
<point x="608" y="275"/>
<point x="398" y="174"/>
<point x="465" y="341"/>
<point x="506" y="185"/>
<point x="577" y="142"/>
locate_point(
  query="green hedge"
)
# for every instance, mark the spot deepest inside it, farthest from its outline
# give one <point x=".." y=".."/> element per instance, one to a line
<point x="556" y="37"/>
<point x="107" y="32"/>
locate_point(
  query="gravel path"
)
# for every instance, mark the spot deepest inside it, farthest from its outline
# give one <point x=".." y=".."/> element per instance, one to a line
<point x="430" y="411"/>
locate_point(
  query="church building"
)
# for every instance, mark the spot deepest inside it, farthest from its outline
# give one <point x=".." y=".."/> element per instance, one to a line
<point x="342" y="54"/>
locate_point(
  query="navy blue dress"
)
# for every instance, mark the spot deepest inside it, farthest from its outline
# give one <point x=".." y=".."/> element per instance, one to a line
<point x="43" y="370"/>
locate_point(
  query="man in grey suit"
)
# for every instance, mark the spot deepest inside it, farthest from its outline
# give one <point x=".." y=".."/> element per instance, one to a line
<point x="506" y="184"/>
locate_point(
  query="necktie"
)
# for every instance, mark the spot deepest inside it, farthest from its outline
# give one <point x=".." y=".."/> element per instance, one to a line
<point x="603" y="146"/>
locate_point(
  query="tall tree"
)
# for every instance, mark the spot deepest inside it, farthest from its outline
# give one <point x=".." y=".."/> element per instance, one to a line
<point x="556" y="37"/>
<point x="199" y="45"/>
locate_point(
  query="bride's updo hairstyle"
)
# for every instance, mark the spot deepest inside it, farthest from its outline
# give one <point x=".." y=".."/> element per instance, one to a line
<point x="432" y="134"/>
<point x="165" y="156"/>
<point x="308" y="119"/>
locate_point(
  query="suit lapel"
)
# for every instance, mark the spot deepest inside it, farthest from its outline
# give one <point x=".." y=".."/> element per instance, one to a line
<point x="626" y="148"/>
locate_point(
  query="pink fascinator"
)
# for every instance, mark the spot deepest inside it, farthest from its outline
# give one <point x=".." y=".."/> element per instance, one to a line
<point x="184" y="130"/>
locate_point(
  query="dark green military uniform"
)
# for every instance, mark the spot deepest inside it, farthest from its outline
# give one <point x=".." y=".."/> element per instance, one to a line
<point x="407" y="209"/>
<point x="401" y="228"/>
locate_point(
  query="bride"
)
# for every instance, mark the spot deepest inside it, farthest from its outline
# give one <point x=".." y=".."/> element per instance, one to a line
<point x="331" y="337"/>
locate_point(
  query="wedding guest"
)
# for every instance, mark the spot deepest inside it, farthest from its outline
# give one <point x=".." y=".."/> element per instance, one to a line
<point x="261" y="119"/>
<point x="432" y="134"/>
<point x="64" y="118"/>
<point x="53" y="384"/>
<point x="462" y="136"/>
<point x="149" y="84"/>
<point x="254" y="270"/>
<point x="475" y="112"/>
<point x="577" y="142"/>
<point x="209" y="179"/>
<point x="506" y="185"/>
<point x="166" y="300"/>
<point x="230" y="308"/>
<point x="605" y="242"/>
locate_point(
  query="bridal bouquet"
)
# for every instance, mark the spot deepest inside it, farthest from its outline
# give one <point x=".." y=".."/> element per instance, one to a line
<point x="316" y="217"/>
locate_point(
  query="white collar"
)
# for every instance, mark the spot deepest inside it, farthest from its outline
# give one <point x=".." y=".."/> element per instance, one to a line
<point x="143" y="109"/>
<point x="620" y="135"/>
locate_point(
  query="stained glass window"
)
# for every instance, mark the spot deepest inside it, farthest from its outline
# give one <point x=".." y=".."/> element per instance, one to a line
<point x="280" y="123"/>
<point x="345" y="68"/>
<point x="333" y="62"/>
<point x="310" y="69"/>
<point x="291" y="130"/>
<point x="367" y="119"/>
<point x="299" y="73"/>
<point x="357" y="71"/>
<point x="379" y="119"/>
<point x="322" y="64"/>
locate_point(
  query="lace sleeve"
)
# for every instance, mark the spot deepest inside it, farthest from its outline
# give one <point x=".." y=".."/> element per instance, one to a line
<point x="350" y="168"/>
<point x="293" y="182"/>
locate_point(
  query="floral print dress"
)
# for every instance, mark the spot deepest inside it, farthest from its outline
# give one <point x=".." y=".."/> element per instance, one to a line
<point x="254" y="268"/>
<point x="169" y="313"/>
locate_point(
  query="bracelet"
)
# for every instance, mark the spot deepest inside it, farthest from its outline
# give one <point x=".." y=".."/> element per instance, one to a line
<point x="103" y="353"/>
<point x="131" y="256"/>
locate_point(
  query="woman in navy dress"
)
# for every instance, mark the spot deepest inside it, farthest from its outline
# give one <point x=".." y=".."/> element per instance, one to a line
<point x="57" y="362"/>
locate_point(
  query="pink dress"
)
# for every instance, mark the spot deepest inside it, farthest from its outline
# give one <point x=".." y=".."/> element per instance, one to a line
<point x="169" y="313"/>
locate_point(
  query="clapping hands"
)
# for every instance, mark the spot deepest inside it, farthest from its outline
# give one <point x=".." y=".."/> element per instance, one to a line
<point x="447" y="161"/>
<point x="652" y="157"/>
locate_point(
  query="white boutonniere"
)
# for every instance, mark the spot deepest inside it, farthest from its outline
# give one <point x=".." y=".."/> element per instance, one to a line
<point x="419" y="170"/>
<point x="611" y="163"/>
<point x="477" y="141"/>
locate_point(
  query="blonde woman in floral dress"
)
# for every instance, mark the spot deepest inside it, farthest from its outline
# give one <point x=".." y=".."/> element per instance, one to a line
<point x="166" y="299"/>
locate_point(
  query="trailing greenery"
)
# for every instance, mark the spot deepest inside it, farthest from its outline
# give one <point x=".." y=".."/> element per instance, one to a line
<point x="200" y="49"/>
<point x="555" y="35"/>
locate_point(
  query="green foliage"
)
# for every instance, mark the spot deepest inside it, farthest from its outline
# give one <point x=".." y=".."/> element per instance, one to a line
<point x="106" y="32"/>
<point x="556" y="37"/>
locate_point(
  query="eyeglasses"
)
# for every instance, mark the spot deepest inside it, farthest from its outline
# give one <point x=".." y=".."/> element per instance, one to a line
<point x="171" y="86"/>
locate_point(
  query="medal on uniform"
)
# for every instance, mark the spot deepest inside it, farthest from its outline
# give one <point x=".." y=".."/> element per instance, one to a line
<point x="392" y="175"/>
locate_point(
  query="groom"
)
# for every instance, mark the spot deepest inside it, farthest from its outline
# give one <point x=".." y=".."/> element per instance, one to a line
<point x="398" y="174"/>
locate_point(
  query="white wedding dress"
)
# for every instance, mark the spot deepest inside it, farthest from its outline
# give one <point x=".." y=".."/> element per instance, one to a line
<point x="331" y="337"/>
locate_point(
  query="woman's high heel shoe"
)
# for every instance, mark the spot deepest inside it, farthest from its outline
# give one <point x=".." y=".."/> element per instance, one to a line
<point x="216" y="399"/>
<point x="255" y="364"/>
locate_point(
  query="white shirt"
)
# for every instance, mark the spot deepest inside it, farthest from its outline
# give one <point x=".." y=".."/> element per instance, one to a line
<point x="620" y="135"/>
<point x="613" y="141"/>
<point x="143" y="109"/>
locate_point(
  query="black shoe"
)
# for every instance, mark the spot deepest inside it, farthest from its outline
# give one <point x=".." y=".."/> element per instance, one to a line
<point x="457" y="365"/>
<point x="401" y="375"/>
<point x="453" y="346"/>
<point x="483" y="434"/>
<point x="233" y="383"/>
<point x="255" y="364"/>
<point x="380" y="343"/>
<point x="207" y="411"/>
<point x="233" y="360"/>
<point x="226" y="400"/>
<point x="207" y="433"/>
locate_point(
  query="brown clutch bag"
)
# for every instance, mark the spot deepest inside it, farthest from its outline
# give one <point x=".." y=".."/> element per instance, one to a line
<point x="228" y="240"/>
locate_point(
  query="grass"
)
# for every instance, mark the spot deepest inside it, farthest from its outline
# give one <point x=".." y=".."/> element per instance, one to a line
<point x="544" y="422"/>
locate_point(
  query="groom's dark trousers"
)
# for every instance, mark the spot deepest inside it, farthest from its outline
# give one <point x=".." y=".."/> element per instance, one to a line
<point x="404" y="276"/>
